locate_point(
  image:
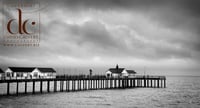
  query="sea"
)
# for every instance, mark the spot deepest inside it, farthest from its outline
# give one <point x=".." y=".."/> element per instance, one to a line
<point x="181" y="92"/>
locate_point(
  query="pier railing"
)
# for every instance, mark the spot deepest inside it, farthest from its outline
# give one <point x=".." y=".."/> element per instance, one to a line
<point x="70" y="83"/>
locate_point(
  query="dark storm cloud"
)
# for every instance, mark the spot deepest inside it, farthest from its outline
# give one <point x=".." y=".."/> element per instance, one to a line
<point x="93" y="32"/>
<point x="149" y="30"/>
<point x="182" y="15"/>
<point x="190" y="6"/>
<point x="171" y="13"/>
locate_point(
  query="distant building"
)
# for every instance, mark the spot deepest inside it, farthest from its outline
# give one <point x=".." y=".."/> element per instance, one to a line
<point x="19" y="72"/>
<point x="29" y="73"/>
<point x="131" y="73"/>
<point x="44" y="72"/>
<point x="1" y="74"/>
<point x="120" y="72"/>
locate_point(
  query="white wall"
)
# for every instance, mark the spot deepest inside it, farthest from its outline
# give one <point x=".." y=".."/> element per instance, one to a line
<point x="124" y="73"/>
<point x="43" y="75"/>
<point x="115" y="75"/>
<point x="131" y="75"/>
<point x="29" y="74"/>
<point x="8" y="71"/>
<point x="1" y="76"/>
<point x="36" y="73"/>
<point x="108" y="73"/>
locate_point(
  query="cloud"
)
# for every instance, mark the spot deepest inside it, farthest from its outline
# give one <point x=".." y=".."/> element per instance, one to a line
<point x="106" y="32"/>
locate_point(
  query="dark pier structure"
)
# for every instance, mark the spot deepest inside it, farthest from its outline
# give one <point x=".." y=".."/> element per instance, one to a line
<point x="68" y="83"/>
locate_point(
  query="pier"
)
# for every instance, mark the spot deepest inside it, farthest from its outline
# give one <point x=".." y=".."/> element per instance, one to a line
<point x="68" y="83"/>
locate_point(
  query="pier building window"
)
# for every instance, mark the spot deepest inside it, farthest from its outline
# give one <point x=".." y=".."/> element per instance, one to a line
<point x="8" y="74"/>
<point x="35" y="74"/>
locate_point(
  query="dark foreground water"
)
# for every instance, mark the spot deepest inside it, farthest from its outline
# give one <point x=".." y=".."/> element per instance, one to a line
<point x="181" y="92"/>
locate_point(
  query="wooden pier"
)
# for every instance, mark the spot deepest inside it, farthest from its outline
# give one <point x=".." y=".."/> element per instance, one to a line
<point x="81" y="83"/>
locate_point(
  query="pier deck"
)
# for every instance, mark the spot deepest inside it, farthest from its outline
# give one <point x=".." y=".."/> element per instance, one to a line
<point x="81" y="83"/>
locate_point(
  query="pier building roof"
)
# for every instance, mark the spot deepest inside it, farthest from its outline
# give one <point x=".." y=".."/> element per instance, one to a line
<point x="131" y="71"/>
<point x="1" y="71"/>
<point x="22" y="69"/>
<point x="116" y="70"/>
<point x="46" y="70"/>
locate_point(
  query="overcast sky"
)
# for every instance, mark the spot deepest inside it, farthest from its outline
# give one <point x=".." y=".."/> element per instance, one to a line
<point x="162" y="35"/>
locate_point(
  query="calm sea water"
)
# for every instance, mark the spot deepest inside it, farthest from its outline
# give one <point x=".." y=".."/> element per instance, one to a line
<point x="181" y="92"/>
